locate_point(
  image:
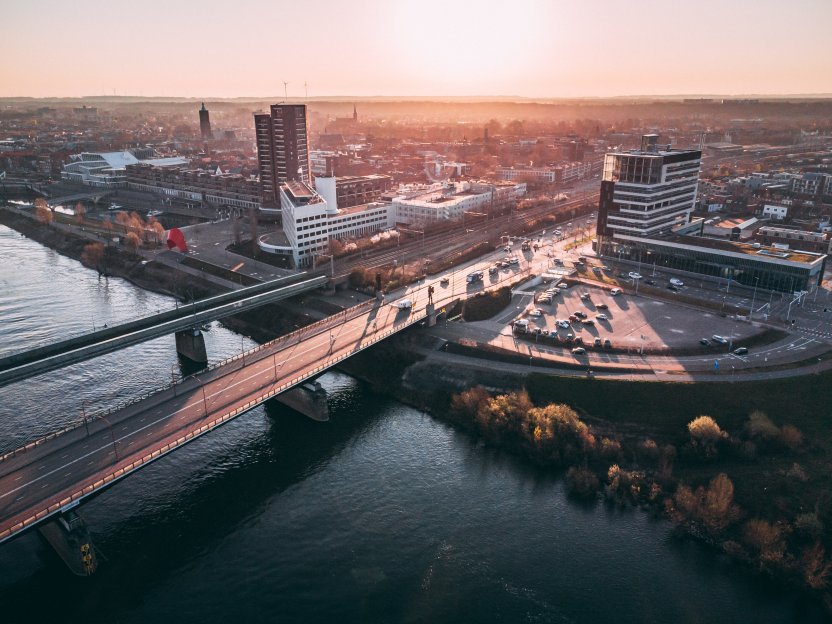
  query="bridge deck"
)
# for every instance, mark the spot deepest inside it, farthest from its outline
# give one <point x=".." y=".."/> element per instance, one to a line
<point x="57" y="472"/>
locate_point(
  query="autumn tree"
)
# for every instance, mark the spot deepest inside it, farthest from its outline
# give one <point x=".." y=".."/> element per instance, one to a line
<point x="80" y="212"/>
<point x="132" y="241"/>
<point x="705" y="434"/>
<point x="92" y="256"/>
<point x="42" y="211"/>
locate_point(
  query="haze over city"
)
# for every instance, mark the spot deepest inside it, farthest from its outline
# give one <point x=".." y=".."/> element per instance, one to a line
<point x="415" y="311"/>
<point x="526" y="48"/>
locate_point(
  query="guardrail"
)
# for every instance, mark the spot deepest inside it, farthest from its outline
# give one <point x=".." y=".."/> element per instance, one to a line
<point x="122" y="471"/>
<point x="293" y="338"/>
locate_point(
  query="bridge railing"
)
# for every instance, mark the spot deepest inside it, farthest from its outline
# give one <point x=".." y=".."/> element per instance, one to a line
<point x="104" y="480"/>
<point x="294" y="337"/>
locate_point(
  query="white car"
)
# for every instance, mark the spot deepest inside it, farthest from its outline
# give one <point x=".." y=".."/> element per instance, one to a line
<point x="719" y="339"/>
<point x="677" y="282"/>
<point x="615" y="291"/>
<point x="562" y="323"/>
<point x="601" y="317"/>
<point x="536" y="312"/>
<point x="634" y="275"/>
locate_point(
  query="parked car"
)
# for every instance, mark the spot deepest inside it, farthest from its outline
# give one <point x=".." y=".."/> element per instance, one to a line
<point x="563" y="285"/>
<point x="521" y="326"/>
<point x="514" y="260"/>
<point x="536" y="312"/>
<point x="601" y="306"/>
<point x="622" y="275"/>
<point x="719" y="339"/>
<point x="634" y="275"/>
<point x="578" y="351"/>
<point x="587" y="321"/>
<point x="705" y="341"/>
<point x="562" y="323"/>
<point x="676" y="282"/>
<point x="741" y="351"/>
<point x="597" y="341"/>
<point x="607" y="344"/>
<point x="601" y="317"/>
<point x="580" y="314"/>
<point x="596" y="270"/>
<point x="493" y="270"/>
<point x="573" y="318"/>
<point x="615" y="291"/>
<point x="584" y="296"/>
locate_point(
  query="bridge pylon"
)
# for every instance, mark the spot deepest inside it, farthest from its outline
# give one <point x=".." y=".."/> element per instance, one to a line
<point x="190" y="343"/>
<point x="70" y="538"/>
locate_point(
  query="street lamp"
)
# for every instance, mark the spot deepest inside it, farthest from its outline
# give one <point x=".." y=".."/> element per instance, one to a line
<point x="753" y="297"/>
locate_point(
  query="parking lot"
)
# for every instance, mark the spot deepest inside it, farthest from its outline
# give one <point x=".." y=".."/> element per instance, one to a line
<point x="629" y="322"/>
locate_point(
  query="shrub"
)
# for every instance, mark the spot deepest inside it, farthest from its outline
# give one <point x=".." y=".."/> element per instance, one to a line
<point x="797" y="472"/>
<point x="470" y="401"/>
<point x="765" y="538"/>
<point x="791" y="436"/>
<point x="704" y="434"/>
<point x="809" y="524"/>
<point x="712" y="506"/>
<point x="609" y="449"/>
<point x="581" y="482"/>
<point x="816" y="568"/>
<point x="649" y="449"/>
<point x="760" y="426"/>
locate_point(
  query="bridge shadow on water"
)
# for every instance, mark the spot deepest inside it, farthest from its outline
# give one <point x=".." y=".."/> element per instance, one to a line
<point x="202" y="500"/>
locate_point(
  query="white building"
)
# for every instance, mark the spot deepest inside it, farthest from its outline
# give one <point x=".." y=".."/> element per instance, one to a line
<point x="309" y="222"/>
<point x="560" y="174"/>
<point x="450" y="202"/>
<point x="108" y="169"/>
<point x="773" y="211"/>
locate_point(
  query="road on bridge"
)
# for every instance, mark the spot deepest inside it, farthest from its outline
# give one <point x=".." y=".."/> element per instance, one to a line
<point x="55" y="473"/>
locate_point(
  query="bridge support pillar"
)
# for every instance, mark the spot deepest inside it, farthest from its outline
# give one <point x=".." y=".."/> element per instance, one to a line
<point x="70" y="538"/>
<point x="430" y="310"/>
<point x="309" y="399"/>
<point x="190" y="343"/>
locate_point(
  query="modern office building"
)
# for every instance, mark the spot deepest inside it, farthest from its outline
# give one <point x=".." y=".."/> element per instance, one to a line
<point x="647" y="197"/>
<point x="108" y="169"/>
<point x="205" y="123"/>
<point x="282" y="148"/>
<point x="648" y="191"/>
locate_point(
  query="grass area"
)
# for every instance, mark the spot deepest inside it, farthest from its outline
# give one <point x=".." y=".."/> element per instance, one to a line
<point x="484" y="305"/>
<point x="666" y="408"/>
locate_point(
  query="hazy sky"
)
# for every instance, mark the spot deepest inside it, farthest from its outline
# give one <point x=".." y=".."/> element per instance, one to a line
<point x="534" y="48"/>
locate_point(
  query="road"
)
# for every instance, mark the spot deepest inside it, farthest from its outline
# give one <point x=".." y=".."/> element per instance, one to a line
<point x="60" y="470"/>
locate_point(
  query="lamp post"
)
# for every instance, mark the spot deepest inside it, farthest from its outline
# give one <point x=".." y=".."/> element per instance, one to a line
<point x="112" y="436"/>
<point x="753" y="298"/>
<point x="84" y="415"/>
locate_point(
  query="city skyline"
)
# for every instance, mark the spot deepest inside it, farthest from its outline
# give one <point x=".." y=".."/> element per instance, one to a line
<point x="370" y="48"/>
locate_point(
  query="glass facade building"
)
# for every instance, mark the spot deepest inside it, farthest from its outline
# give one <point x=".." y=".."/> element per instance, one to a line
<point x="763" y="267"/>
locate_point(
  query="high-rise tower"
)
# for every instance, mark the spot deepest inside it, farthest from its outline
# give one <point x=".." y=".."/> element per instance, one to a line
<point x="648" y="191"/>
<point x="205" y="123"/>
<point x="282" y="148"/>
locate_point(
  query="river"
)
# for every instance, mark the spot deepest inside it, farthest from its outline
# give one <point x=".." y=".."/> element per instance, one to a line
<point x="383" y="514"/>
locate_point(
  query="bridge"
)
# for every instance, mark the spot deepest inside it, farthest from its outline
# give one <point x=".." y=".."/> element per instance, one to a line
<point x="183" y="321"/>
<point x="51" y="476"/>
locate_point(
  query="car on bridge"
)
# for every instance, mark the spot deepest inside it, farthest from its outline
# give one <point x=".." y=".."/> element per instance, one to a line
<point x="720" y="339"/>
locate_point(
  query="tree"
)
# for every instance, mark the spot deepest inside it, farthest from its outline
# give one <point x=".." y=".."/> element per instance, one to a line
<point x="157" y="231"/>
<point x="80" y="212"/>
<point x="92" y="256"/>
<point x="705" y="433"/>
<point x="42" y="211"/>
<point x="132" y="241"/>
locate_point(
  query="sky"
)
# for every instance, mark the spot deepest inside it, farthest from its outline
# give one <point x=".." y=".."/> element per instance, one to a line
<point x="526" y="48"/>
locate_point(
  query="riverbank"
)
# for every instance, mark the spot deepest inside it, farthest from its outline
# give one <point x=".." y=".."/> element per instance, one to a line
<point x="756" y="491"/>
